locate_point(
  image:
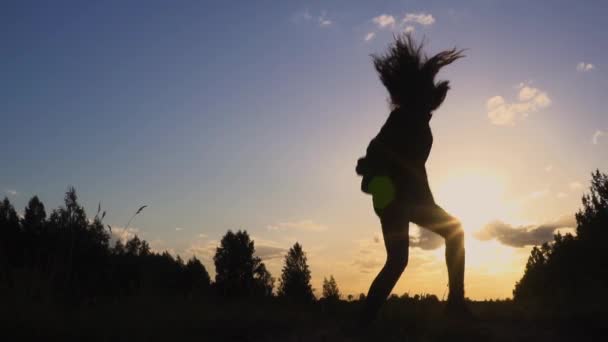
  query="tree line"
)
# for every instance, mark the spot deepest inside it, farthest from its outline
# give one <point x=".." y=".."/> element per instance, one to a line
<point x="570" y="273"/>
<point x="68" y="257"/>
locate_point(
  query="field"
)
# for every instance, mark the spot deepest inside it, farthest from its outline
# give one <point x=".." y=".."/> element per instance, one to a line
<point x="201" y="319"/>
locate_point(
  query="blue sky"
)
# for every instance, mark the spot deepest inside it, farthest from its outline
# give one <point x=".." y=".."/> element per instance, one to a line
<point x="228" y="115"/>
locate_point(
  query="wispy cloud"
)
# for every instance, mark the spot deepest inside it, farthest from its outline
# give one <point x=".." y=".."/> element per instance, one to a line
<point x="11" y="192"/>
<point x="305" y="225"/>
<point x="389" y="22"/>
<point x="178" y="229"/>
<point x="203" y="249"/>
<point x="369" y="255"/>
<point x="425" y="239"/>
<point x="269" y="252"/>
<point x="596" y="136"/>
<point x="534" y="195"/>
<point x="419" y="18"/>
<point x="305" y="16"/>
<point x="524" y="235"/>
<point x="384" y="20"/>
<point x="584" y="67"/>
<point x="549" y="168"/>
<point x="575" y="185"/>
<point x="121" y="234"/>
<point x="529" y="100"/>
<point x="369" y="36"/>
<point x="323" y="20"/>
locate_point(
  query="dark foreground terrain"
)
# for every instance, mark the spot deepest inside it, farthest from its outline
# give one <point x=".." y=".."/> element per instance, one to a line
<point x="200" y="319"/>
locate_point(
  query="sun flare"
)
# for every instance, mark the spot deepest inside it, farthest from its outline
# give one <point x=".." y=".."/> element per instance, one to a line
<point x="476" y="197"/>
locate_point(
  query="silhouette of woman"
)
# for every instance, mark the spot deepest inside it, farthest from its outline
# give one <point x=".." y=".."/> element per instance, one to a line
<point x="394" y="173"/>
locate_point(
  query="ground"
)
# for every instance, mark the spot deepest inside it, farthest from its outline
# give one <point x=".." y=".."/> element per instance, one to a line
<point x="157" y="318"/>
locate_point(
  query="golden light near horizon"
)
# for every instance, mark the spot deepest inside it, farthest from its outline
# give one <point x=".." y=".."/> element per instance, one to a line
<point x="475" y="196"/>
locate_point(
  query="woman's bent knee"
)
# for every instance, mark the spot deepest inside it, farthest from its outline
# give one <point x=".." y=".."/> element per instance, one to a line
<point x="455" y="232"/>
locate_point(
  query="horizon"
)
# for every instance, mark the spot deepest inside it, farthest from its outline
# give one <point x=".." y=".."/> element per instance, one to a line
<point x="253" y="118"/>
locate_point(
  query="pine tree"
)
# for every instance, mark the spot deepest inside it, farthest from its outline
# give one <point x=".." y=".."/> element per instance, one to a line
<point x="568" y="272"/>
<point x="34" y="216"/>
<point x="330" y="289"/>
<point x="295" y="278"/>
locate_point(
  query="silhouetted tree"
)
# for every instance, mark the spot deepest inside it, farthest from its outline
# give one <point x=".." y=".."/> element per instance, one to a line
<point x="295" y="277"/>
<point x="34" y="216"/>
<point x="238" y="271"/>
<point x="34" y="233"/>
<point x="71" y="254"/>
<point x="330" y="289"/>
<point x="10" y="242"/>
<point x="8" y="216"/>
<point x="196" y="276"/>
<point x="133" y="246"/>
<point x="568" y="273"/>
<point x="262" y="279"/>
<point x="119" y="248"/>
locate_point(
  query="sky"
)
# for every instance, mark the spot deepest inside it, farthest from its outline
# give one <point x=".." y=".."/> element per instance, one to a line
<point x="251" y="115"/>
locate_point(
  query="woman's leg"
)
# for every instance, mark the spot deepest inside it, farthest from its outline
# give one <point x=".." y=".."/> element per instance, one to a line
<point x="396" y="240"/>
<point x="434" y="218"/>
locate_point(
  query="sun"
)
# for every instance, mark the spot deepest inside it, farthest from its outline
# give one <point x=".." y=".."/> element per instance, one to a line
<point x="476" y="197"/>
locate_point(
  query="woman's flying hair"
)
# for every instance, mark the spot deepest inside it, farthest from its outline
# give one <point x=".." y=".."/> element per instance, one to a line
<point x="409" y="75"/>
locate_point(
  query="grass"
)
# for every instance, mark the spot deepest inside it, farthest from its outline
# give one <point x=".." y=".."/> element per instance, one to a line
<point x="203" y="319"/>
<point x="158" y="318"/>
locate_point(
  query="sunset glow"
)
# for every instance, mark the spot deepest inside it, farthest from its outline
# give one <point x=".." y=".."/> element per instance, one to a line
<point x="252" y="117"/>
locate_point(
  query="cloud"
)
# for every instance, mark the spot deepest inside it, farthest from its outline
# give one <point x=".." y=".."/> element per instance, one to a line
<point x="584" y="67"/>
<point x="306" y="16"/>
<point x="561" y="195"/>
<point x="369" y="256"/>
<point x="538" y="194"/>
<point x="530" y="100"/>
<point x="269" y="252"/>
<point x="160" y="246"/>
<point x="384" y="20"/>
<point x="204" y="250"/>
<point x="178" y="229"/>
<point x="419" y="18"/>
<point x="521" y="236"/>
<point x="549" y="168"/>
<point x="11" y="192"/>
<point x="575" y="185"/>
<point x="120" y="234"/>
<point x="369" y="36"/>
<point x="387" y="21"/>
<point x="323" y="21"/>
<point x="425" y="239"/>
<point x="597" y="135"/>
<point x="303" y="15"/>
<point x="306" y="225"/>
